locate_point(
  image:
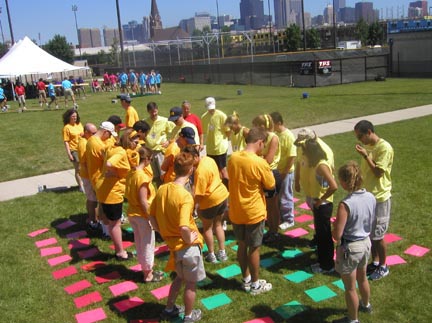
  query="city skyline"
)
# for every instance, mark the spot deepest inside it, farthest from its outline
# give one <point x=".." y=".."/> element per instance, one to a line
<point x="41" y="23"/>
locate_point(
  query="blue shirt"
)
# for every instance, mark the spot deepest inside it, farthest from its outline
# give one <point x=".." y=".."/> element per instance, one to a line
<point x="1" y="93"/>
<point x="51" y="90"/>
<point x="66" y="84"/>
<point x="123" y="79"/>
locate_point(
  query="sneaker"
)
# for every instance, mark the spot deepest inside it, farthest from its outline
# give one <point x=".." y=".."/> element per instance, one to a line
<point x="211" y="258"/>
<point x="195" y="316"/>
<point x="371" y="268"/>
<point x="365" y="309"/>
<point x="221" y="256"/>
<point x="316" y="269"/>
<point x="381" y="272"/>
<point x="345" y="320"/>
<point x="285" y="225"/>
<point x="176" y="311"/>
<point x="263" y="287"/>
<point x="246" y="286"/>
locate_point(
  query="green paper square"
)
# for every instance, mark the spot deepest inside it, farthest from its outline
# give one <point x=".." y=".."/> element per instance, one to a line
<point x="215" y="301"/>
<point x="229" y="240"/>
<point x="229" y="271"/>
<point x="290" y="309"/>
<point x="205" y="248"/>
<point x="206" y="281"/>
<point x="268" y="262"/>
<point x="129" y="229"/>
<point x="339" y="284"/>
<point x="235" y="248"/>
<point x="321" y="293"/>
<point x="292" y="253"/>
<point x="298" y="276"/>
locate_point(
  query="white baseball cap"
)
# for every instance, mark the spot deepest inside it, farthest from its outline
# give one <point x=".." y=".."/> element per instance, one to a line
<point x="108" y="126"/>
<point x="210" y="103"/>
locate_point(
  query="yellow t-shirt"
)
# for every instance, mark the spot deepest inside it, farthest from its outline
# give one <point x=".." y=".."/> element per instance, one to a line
<point x="110" y="190"/>
<point x="215" y="131"/>
<point x="172" y="208"/>
<point x="328" y="151"/>
<point x="71" y="134"/>
<point x="277" y="156"/>
<point x="82" y="143"/>
<point x="382" y="154"/>
<point x="172" y="150"/>
<point x="176" y="130"/>
<point x="238" y="141"/>
<point x="159" y="132"/>
<point x="208" y="184"/>
<point x="249" y="175"/>
<point x="134" y="181"/>
<point x="95" y="152"/>
<point x="287" y="148"/>
<point x="318" y="185"/>
<point x="131" y="117"/>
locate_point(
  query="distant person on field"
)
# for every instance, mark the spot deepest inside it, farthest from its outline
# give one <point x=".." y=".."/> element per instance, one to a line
<point x="3" y="99"/>
<point x="351" y="232"/>
<point x="68" y="92"/>
<point x="20" y="93"/>
<point x="41" y="86"/>
<point x="158" y="77"/>
<point x="171" y="215"/>
<point x="376" y="165"/>
<point x="131" y="114"/>
<point x="52" y="95"/>
<point x="250" y="175"/>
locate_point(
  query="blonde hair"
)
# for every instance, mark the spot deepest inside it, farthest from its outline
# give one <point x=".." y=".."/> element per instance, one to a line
<point x="232" y="119"/>
<point x="264" y="121"/>
<point x="351" y="175"/>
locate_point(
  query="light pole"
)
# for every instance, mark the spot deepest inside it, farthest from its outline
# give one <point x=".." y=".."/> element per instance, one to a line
<point x="304" y="25"/>
<point x="219" y="28"/>
<point x="120" y="36"/>
<point x="334" y="25"/>
<point x="271" y="38"/>
<point x="10" y="22"/>
<point x="75" y="9"/>
<point x="1" y="27"/>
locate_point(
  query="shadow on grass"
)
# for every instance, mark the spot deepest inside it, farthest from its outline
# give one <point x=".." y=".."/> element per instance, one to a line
<point x="148" y="311"/>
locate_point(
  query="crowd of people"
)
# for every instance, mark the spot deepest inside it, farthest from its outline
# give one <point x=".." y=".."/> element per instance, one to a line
<point x="174" y="170"/>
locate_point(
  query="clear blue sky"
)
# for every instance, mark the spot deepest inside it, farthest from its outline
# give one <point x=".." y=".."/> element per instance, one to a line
<point x="41" y="20"/>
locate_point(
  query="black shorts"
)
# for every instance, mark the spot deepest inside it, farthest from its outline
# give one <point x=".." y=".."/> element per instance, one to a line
<point x="113" y="212"/>
<point x="278" y="179"/>
<point x="221" y="160"/>
<point x="214" y="211"/>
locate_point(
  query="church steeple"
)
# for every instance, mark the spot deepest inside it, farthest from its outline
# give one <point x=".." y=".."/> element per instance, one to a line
<point x="155" y="19"/>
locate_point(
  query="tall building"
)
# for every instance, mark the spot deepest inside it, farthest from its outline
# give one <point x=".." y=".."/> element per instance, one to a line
<point x="146" y="28"/>
<point x="287" y="12"/>
<point x="418" y="9"/>
<point x="328" y="14"/>
<point x="252" y="14"/>
<point x="155" y="19"/>
<point x="347" y="15"/>
<point x="198" y="22"/>
<point x="133" y="31"/>
<point x="365" y="11"/>
<point x="338" y="5"/>
<point x="109" y="34"/>
<point x="89" y="37"/>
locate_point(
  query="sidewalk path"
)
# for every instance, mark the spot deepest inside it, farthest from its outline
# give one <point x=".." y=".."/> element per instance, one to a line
<point x="65" y="179"/>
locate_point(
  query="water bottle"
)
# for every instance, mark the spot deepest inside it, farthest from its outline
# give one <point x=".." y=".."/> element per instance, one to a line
<point x="40" y="188"/>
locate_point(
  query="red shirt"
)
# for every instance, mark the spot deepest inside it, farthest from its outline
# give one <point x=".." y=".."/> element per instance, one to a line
<point x="41" y="86"/>
<point x="19" y="90"/>
<point x="194" y="119"/>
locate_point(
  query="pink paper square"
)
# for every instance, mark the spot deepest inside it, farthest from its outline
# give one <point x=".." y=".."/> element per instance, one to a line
<point x="65" y="225"/>
<point x="50" y="251"/>
<point x="85" y="254"/>
<point x="45" y="242"/>
<point x="77" y="235"/>
<point x="59" y="260"/>
<point x="37" y="232"/>
<point x="304" y="206"/>
<point x="126" y="244"/>
<point x="79" y="244"/>
<point x="127" y="304"/>
<point x="87" y="299"/>
<point x="65" y="272"/>
<point x="416" y="251"/>
<point x="91" y="316"/>
<point x="93" y="265"/>
<point x="161" y="292"/>
<point x="312" y="226"/>
<point x="136" y="268"/>
<point x="266" y="319"/>
<point x="304" y="218"/>
<point x="394" y="260"/>
<point x="107" y="277"/>
<point x="122" y="288"/>
<point x="296" y="233"/>
<point x="332" y="219"/>
<point x="391" y="237"/>
<point x="161" y="249"/>
<point x="77" y="287"/>
<point x="295" y="200"/>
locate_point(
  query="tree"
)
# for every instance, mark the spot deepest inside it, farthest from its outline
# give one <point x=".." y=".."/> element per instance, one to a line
<point x="313" y="39"/>
<point x="113" y="57"/>
<point x="376" y="34"/>
<point x="362" y="31"/>
<point x="60" y="48"/>
<point x="293" y="38"/>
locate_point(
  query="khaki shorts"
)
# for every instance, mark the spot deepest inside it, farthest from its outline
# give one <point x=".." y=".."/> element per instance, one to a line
<point x="42" y="94"/>
<point x="251" y="234"/>
<point x="189" y="264"/>
<point x="68" y="92"/>
<point x="381" y="221"/>
<point x="88" y="189"/>
<point x="357" y="256"/>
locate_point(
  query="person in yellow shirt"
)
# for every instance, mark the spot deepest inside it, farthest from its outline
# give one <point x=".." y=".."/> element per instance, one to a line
<point x="131" y="114"/>
<point x="238" y="133"/>
<point x="91" y="203"/>
<point x="176" y="117"/>
<point x="247" y="210"/>
<point x="171" y="215"/>
<point x="376" y="166"/>
<point x="286" y="170"/>
<point x="72" y="131"/>
<point x="216" y="136"/>
<point x="140" y="193"/>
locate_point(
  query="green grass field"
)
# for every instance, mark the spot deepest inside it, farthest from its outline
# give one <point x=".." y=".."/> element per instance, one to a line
<point x="29" y="292"/>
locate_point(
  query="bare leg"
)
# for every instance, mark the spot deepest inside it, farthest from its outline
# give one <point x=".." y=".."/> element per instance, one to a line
<point x="189" y="297"/>
<point x="173" y="292"/>
<point x="351" y="297"/>
<point x="273" y="213"/>
<point x="114" y="228"/>
<point x="254" y="262"/>
<point x="242" y="258"/>
<point x="363" y="285"/>
<point x="208" y="234"/>
<point x="219" y="232"/>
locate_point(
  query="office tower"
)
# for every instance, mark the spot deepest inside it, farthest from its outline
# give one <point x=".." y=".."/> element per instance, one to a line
<point x="109" y="34"/>
<point x="365" y="11"/>
<point x="418" y="9"/>
<point x="89" y="37"/>
<point x="252" y="14"/>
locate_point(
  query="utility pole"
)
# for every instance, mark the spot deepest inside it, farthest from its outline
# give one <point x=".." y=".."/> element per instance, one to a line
<point x="10" y="22"/>
<point x="75" y="9"/>
<point x="121" y="37"/>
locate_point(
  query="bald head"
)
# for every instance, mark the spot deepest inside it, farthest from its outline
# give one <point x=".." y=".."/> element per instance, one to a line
<point x="89" y="130"/>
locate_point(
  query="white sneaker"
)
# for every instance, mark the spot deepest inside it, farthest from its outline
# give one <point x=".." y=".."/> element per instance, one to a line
<point x="285" y="225"/>
<point x="263" y="287"/>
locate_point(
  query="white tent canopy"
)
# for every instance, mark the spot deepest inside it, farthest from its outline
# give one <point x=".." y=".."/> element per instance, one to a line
<point x="26" y="58"/>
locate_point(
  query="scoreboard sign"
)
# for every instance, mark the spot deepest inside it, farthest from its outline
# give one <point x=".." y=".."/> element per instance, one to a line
<point x="306" y="68"/>
<point x="324" y="67"/>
